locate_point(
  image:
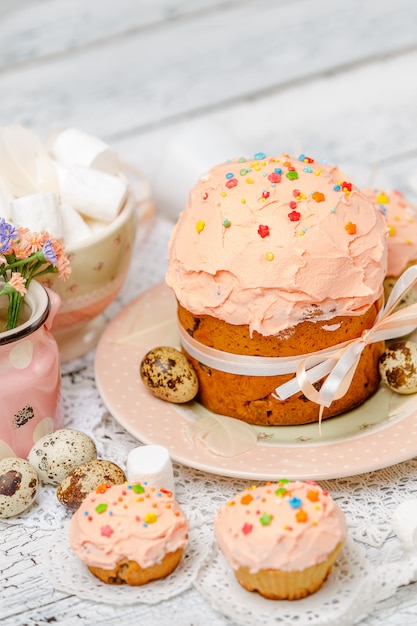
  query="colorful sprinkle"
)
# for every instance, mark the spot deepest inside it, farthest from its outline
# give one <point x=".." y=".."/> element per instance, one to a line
<point x="382" y="198"/>
<point x="137" y="488"/>
<point x="263" y="231"/>
<point x="229" y="175"/>
<point x="318" y="196"/>
<point x="280" y="492"/>
<point x="313" y="495"/>
<point x="301" y="516"/>
<point x="294" y="216"/>
<point x="246" y="499"/>
<point x="274" y="177"/>
<point x="265" y="519"/>
<point x="265" y="194"/>
<point x="307" y="169"/>
<point x="200" y="226"/>
<point x="205" y="196"/>
<point x="350" y="228"/>
<point x="249" y="181"/>
<point x="101" y="508"/>
<point x="226" y="222"/>
<point x="305" y="158"/>
<point x="244" y="171"/>
<point x="293" y="205"/>
<point x="347" y="187"/>
<point x="150" y="518"/>
<point x="231" y="183"/>
<point x="259" y="155"/>
<point x="103" y="488"/>
<point x="391" y="230"/>
<point x="291" y="175"/>
<point x="294" y="503"/>
<point x="106" y="531"/>
<point x="337" y="187"/>
<point x="247" y="528"/>
<point x="269" y="256"/>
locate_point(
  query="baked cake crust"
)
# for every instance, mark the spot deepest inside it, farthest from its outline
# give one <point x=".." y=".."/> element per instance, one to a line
<point x="249" y="397"/>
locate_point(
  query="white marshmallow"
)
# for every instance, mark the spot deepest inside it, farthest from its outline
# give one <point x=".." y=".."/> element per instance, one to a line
<point x="152" y="465"/>
<point x="404" y="523"/>
<point x="38" y="212"/>
<point x="4" y="202"/>
<point x="75" y="228"/>
<point x="74" y="147"/>
<point x="93" y="193"/>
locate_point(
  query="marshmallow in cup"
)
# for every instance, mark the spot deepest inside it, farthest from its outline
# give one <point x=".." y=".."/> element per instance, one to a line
<point x="38" y="212"/>
<point x="4" y="202"/>
<point x="75" y="147"/>
<point x="93" y="193"/>
<point x="151" y="465"/>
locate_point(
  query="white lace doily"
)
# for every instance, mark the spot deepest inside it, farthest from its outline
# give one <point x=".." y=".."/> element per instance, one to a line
<point x="338" y="601"/>
<point x="351" y="592"/>
<point x="66" y="572"/>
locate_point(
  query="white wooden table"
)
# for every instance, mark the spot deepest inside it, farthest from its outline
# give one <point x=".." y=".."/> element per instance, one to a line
<point x="336" y="80"/>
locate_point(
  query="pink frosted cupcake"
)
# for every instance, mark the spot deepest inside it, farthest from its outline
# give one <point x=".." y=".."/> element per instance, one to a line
<point x="129" y="533"/>
<point x="281" y="539"/>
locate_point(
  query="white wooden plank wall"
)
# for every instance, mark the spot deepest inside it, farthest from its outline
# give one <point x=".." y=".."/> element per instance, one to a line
<point x="331" y="78"/>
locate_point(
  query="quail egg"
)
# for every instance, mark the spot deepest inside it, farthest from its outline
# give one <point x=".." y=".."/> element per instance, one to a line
<point x="55" y="455"/>
<point x="169" y="375"/>
<point x="86" y="478"/>
<point x="398" y="367"/>
<point x="18" y="486"/>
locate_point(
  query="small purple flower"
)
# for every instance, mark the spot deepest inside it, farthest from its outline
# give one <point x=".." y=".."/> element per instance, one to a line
<point x="49" y="252"/>
<point x="7" y="233"/>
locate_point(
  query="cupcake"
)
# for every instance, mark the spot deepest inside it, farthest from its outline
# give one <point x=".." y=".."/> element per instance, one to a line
<point x="281" y="539"/>
<point x="129" y="533"/>
<point x="401" y="218"/>
<point x="275" y="257"/>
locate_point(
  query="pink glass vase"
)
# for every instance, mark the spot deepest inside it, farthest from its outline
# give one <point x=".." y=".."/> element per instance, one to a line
<point x="30" y="377"/>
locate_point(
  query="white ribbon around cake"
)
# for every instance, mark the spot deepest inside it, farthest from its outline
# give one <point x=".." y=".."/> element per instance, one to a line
<point x="337" y="363"/>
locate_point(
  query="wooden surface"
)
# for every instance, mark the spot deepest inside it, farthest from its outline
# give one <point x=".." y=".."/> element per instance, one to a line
<point x="337" y="80"/>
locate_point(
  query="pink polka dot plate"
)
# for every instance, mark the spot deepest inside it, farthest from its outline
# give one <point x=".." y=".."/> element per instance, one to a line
<point x="380" y="433"/>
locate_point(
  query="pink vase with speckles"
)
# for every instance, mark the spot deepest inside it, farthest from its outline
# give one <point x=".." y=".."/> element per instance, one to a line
<point x="30" y="376"/>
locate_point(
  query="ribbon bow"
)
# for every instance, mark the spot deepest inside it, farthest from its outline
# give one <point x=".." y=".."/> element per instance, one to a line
<point x="340" y="362"/>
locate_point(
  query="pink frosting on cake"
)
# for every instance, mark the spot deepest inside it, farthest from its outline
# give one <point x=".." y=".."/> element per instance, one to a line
<point x="273" y="241"/>
<point x="286" y="525"/>
<point x="402" y="228"/>
<point x="127" y="521"/>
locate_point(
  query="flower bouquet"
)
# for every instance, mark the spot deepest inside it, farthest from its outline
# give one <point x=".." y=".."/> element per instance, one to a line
<point x="25" y="255"/>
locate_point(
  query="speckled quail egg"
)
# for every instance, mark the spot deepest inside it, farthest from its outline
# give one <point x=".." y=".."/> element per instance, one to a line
<point x="55" y="455"/>
<point x="18" y="486"/>
<point x="86" y="478"/>
<point x="169" y="375"/>
<point x="398" y="367"/>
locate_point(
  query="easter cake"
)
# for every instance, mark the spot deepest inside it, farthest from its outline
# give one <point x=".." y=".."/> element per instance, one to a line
<point x="129" y="533"/>
<point x="275" y="257"/>
<point x="281" y="539"/>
